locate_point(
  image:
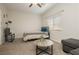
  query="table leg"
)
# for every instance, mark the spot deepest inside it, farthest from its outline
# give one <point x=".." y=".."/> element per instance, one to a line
<point x="51" y="49"/>
<point x="36" y="50"/>
<point x="45" y="50"/>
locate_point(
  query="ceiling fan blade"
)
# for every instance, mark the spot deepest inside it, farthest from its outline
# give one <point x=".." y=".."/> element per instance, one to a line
<point x="39" y="5"/>
<point x="30" y="5"/>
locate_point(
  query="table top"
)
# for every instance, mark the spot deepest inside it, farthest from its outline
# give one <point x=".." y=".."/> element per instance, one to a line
<point x="44" y="43"/>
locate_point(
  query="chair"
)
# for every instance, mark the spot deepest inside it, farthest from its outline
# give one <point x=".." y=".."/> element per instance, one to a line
<point x="46" y="29"/>
<point x="9" y="36"/>
<point x="70" y="45"/>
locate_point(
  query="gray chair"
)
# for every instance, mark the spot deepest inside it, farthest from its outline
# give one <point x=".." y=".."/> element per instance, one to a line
<point x="69" y="45"/>
<point x="75" y="51"/>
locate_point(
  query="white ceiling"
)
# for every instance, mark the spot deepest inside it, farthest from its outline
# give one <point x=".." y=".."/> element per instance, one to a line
<point x="24" y="7"/>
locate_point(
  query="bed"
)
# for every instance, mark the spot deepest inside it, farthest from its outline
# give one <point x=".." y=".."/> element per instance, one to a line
<point x="34" y="36"/>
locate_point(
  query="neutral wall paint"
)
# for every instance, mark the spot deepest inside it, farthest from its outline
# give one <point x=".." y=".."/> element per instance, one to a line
<point x="69" y="21"/>
<point x="24" y="22"/>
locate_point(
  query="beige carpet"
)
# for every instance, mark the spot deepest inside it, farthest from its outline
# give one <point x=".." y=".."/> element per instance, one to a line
<point x="18" y="47"/>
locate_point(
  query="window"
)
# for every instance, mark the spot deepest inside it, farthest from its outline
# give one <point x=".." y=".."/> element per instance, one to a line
<point x="50" y="23"/>
<point x="54" y="21"/>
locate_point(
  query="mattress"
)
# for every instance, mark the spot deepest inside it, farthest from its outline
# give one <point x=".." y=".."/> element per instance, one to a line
<point x="34" y="36"/>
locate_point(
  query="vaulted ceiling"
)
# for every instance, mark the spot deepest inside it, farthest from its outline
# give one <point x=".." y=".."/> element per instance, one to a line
<point x="24" y="7"/>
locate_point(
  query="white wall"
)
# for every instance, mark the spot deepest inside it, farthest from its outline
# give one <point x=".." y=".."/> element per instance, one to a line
<point x="24" y="22"/>
<point x="27" y="22"/>
<point x="69" y="21"/>
<point x="3" y="11"/>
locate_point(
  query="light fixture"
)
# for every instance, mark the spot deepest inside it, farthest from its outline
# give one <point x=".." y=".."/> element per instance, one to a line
<point x="38" y="4"/>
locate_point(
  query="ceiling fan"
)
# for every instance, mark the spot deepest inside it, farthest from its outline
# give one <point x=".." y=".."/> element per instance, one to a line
<point x="38" y="4"/>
